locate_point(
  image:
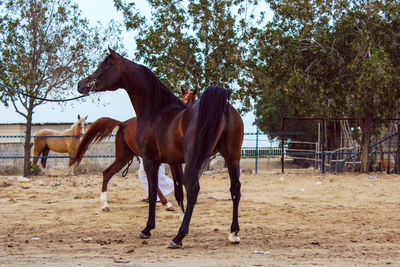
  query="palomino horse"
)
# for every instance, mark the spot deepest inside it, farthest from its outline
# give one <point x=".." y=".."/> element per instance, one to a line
<point x="170" y="132"/>
<point x="61" y="142"/>
<point x="125" y="146"/>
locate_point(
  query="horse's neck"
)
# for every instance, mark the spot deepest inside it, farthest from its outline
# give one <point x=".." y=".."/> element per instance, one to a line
<point x="147" y="93"/>
<point x="138" y="89"/>
<point x="74" y="130"/>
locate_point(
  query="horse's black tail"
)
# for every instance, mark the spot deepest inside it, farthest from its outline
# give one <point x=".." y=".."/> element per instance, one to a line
<point x="213" y="104"/>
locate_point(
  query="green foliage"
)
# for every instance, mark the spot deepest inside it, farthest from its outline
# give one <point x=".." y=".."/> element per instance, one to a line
<point x="195" y="43"/>
<point x="46" y="47"/>
<point x="327" y="59"/>
<point x="35" y="169"/>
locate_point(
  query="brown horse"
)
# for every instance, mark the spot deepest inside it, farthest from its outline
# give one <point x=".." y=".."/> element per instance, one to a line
<point x="60" y="142"/>
<point x="125" y="146"/>
<point x="168" y="131"/>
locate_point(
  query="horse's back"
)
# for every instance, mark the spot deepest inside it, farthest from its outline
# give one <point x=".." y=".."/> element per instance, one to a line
<point x="180" y="131"/>
<point x="47" y="133"/>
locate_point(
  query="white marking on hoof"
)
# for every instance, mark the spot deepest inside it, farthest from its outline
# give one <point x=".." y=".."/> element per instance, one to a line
<point x="169" y="207"/>
<point x="234" y="238"/>
<point x="173" y="245"/>
<point x="103" y="197"/>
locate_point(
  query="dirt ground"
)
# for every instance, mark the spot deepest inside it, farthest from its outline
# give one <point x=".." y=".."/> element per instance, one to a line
<point x="300" y="218"/>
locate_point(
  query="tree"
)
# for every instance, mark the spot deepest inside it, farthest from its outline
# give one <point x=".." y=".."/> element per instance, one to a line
<point x="328" y="59"/>
<point x="46" y="46"/>
<point x="195" y="43"/>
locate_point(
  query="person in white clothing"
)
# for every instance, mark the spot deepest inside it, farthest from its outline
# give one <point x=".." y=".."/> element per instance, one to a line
<point x="165" y="183"/>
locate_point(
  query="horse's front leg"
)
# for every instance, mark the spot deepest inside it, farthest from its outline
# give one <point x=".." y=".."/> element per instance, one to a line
<point x="72" y="153"/>
<point x="72" y="167"/>
<point x="191" y="177"/>
<point x="151" y="169"/>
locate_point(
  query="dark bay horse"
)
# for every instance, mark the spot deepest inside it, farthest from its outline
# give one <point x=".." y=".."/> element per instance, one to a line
<point x="125" y="146"/>
<point x="168" y="131"/>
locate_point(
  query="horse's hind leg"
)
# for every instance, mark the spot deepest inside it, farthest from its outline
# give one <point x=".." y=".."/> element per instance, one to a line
<point x="164" y="201"/>
<point x="229" y="147"/>
<point x="234" y="172"/>
<point x="177" y="175"/>
<point x="36" y="150"/>
<point x="193" y="187"/>
<point x="45" y="153"/>
<point x="115" y="167"/>
<point x="122" y="156"/>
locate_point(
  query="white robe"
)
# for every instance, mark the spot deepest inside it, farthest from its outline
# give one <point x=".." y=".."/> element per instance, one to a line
<point x="165" y="183"/>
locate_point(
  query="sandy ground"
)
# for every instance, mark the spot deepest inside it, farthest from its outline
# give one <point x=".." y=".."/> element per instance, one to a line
<point x="300" y="218"/>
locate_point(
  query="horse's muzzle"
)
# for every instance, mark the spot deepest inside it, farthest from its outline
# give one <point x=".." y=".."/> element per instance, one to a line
<point x="85" y="87"/>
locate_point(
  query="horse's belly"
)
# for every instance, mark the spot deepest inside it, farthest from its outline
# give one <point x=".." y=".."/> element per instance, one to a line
<point x="59" y="146"/>
<point x="172" y="157"/>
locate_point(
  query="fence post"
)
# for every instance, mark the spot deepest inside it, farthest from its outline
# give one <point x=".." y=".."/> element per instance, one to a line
<point x="282" y="145"/>
<point x="318" y="146"/>
<point x="256" y="167"/>
<point x="323" y="147"/>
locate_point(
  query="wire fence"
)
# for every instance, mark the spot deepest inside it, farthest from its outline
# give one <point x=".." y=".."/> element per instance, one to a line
<point x="341" y="159"/>
<point x="247" y="152"/>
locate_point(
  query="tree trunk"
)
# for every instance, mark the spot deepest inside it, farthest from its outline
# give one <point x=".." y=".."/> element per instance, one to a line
<point x="28" y="144"/>
<point x="365" y="142"/>
<point x="397" y="168"/>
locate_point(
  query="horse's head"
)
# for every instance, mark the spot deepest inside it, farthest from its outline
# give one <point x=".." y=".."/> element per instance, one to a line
<point x="105" y="78"/>
<point x="81" y="123"/>
<point x="188" y="96"/>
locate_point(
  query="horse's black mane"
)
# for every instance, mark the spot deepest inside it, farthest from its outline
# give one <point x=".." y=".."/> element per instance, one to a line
<point x="160" y="95"/>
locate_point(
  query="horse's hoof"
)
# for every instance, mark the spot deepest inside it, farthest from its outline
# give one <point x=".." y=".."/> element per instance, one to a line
<point x="173" y="245"/>
<point x="234" y="238"/>
<point x="169" y="207"/>
<point x="106" y="209"/>
<point x="143" y="236"/>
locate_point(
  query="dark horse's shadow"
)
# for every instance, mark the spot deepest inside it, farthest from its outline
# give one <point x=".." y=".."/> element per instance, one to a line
<point x="170" y="132"/>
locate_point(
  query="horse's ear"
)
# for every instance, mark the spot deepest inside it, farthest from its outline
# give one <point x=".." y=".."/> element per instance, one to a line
<point x="183" y="91"/>
<point x="113" y="53"/>
<point x="86" y="117"/>
<point x="79" y="117"/>
<point x="195" y="92"/>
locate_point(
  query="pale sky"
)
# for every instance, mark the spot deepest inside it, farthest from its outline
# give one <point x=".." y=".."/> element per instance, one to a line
<point x="112" y="104"/>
